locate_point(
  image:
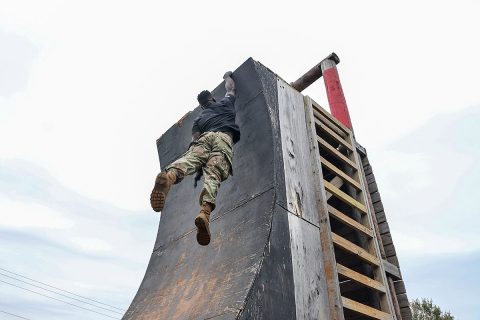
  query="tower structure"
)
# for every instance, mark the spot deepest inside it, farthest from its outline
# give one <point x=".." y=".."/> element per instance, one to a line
<point x="299" y="231"/>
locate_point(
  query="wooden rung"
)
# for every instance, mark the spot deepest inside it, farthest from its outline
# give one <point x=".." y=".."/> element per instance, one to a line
<point x="329" y="119"/>
<point x="337" y="153"/>
<point x="335" y="136"/>
<point x="331" y="125"/>
<point x="340" y="216"/>
<point x="360" y="278"/>
<point x="365" y="310"/>
<point x="340" y="173"/>
<point x="355" y="250"/>
<point x="344" y="197"/>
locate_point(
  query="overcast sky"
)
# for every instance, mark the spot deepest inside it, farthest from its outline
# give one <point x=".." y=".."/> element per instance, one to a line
<point x="86" y="87"/>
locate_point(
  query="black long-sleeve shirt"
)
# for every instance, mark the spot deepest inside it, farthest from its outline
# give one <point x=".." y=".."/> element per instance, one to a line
<point x="218" y="116"/>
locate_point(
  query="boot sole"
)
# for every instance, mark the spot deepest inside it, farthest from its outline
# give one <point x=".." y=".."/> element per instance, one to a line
<point x="157" y="197"/>
<point x="203" y="232"/>
<point x="157" y="200"/>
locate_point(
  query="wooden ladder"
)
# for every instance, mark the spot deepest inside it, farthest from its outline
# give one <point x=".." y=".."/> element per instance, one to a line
<point x="356" y="280"/>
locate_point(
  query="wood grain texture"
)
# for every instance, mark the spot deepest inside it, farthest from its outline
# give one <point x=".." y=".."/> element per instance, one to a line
<point x="360" y="278"/>
<point x="334" y="152"/>
<point x="344" y="197"/>
<point x="340" y="173"/>
<point x="300" y="179"/>
<point x="392" y="269"/>
<point x="331" y="119"/>
<point x="338" y="215"/>
<point x="334" y="135"/>
<point x="365" y="310"/>
<point x="299" y="175"/>
<point x="394" y="297"/>
<point x="334" y="310"/>
<point x="355" y="250"/>
<point x="308" y="269"/>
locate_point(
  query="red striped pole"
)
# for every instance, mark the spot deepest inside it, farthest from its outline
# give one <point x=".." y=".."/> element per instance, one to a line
<point x="336" y="98"/>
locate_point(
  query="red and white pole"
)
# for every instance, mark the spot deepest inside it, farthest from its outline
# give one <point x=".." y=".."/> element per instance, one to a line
<point x="336" y="98"/>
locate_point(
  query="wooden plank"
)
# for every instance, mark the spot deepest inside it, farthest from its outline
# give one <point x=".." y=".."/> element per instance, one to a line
<point x="355" y="250"/>
<point x="393" y="260"/>
<point x="336" y="153"/>
<point x="370" y="178"/>
<point x="406" y="313"/>
<point x="337" y="182"/>
<point x="403" y="300"/>
<point x="396" y="306"/>
<point x="387" y="239"/>
<point x="365" y="310"/>
<point x="381" y="216"/>
<point x="360" y="278"/>
<point x="307" y="268"/>
<point x="297" y="163"/>
<point x="344" y="197"/>
<point x="378" y="207"/>
<point x="330" y="119"/>
<point x="400" y="287"/>
<point x="372" y="187"/>
<point x="334" y="310"/>
<point x="383" y="227"/>
<point x="331" y="125"/>
<point x="340" y="173"/>
<point x="375" y="197"/>
<point x="340" y="216"/>
<point x="376" y="246"/>
<point x="389" y="249"/>
<point x="392" y="270"/>
<point x="334" y="135"/>
<point x="300" y="179"/>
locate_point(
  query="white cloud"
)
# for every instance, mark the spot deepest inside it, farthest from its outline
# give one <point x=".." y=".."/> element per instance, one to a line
<point x="422" y="242"/>
<point x="31" y="216"/>
<point x="91" y="245"/>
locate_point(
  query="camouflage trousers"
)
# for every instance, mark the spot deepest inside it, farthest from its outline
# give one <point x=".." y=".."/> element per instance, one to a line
<point x="212" y="151"/>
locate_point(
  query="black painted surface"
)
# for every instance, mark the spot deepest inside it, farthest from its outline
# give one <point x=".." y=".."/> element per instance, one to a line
<point x="272" y="295"/>
<point x="250" y="249"/>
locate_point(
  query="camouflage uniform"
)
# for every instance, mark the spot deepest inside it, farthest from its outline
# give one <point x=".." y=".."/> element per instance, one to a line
<point x="213" y="152"/>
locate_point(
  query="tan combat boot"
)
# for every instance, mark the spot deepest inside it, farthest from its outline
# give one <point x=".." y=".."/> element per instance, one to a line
<point x="202" y="221"/>
<point x="163" y="182"/>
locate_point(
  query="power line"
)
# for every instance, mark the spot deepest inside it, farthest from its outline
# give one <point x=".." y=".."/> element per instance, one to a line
<point x="77" y="295"/>
<point x="60" y="294"/>
<point x="15" y="315"/>
<point x="44" y="295"/>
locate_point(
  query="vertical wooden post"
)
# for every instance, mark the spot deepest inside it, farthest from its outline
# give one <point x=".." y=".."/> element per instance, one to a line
<point x="336" y="98"/>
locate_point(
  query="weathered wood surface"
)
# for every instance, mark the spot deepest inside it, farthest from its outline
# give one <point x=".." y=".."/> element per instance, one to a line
<point x="301" y="179"/>
<point x="355" y="250"/>
<point x="337" y="182"/>
<point x="394" y="297"/>
<point x="333" y="288"/>
<point x="337" y="214"/>
<point x="386" y="300"/>
<point x="392" y="269"/>
<point x="344" y="197"/>
<point x="360" y="278"/>
<point x="334" y="152"/>
<point x="340" y="173"/>
<point x="308" y="269"/>
<point x="391" y="264"/>
<point x="365" y="310"/>
<point x="332" y="121"/>
<point x="334" y="135"/>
